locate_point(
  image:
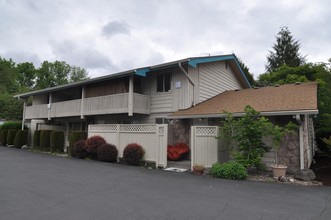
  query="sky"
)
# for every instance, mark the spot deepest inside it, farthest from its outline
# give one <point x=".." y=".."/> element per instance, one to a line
<point x="109" y="36"/>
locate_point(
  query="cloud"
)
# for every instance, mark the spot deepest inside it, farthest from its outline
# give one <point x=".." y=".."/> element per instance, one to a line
<point x="114" y="28"/>
<point x="22" y="57"/>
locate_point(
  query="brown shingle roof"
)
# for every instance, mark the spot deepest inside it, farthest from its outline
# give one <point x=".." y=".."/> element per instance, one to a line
<point x="280" y="99"/>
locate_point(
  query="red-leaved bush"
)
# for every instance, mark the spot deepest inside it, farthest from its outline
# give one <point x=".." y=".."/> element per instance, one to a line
<point x="133" y="154"/>
<point x="92" y="144"/>
<point x="78" y="150"/>
<point x="107" y="153"/>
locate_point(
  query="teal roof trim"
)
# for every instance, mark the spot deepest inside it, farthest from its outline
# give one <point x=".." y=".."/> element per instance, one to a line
<point x="193" y="62"/>
<point x="142" y="71"/>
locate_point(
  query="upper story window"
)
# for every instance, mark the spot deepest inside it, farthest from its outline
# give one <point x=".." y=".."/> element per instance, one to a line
<point x="163" y="82"/>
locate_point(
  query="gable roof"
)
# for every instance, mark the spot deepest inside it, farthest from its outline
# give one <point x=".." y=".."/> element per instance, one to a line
<point x="191" y="61"/>
<point x="288" y="99"/>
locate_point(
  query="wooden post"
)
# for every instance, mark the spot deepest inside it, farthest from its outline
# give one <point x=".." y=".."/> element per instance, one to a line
<point x="82" y="103"/>
<point x="130" y="99"/>
<point x="49" y="106"/>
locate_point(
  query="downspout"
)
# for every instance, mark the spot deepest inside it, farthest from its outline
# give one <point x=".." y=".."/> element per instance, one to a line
<point x="189" y="78"/>
<point x="297" y="117"/>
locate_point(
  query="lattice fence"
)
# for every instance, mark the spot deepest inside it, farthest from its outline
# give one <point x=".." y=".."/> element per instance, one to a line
<point x="153" y="138"/>
<point x="204" y="145"/>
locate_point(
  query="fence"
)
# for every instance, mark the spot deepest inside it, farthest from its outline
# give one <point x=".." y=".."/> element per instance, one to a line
<point x="204" y="145"/>
<point x="152" y="137"/>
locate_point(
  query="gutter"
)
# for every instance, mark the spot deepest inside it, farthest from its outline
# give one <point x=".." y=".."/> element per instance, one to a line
<point x="189" y="78"/>
<point x="297" y="117"/>
<point x="309" y="112"/>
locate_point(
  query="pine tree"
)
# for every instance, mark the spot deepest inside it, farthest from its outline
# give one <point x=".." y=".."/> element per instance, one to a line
<point x="286" y="51"/>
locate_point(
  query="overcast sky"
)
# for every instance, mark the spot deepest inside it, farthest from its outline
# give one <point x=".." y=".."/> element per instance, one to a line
<point x="107" y="36"/>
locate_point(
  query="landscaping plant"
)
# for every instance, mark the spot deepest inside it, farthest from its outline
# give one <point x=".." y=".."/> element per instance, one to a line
<point x="92" y="144"/>
<point x="244" y="136"/>
<point x="79" y="150"/>
<point x="229" y="170"/>
<point x="75" y="136"/>
<point x="133" y="154"/>
<point x="45" y="140"/>
<point x="21" y="138"/>
<point x="3" y="137"/>
<point x="36" y="139"/>
<point x="11" y="136"/>
<point x="107" y="153"/>
<point x="57" y="141"/>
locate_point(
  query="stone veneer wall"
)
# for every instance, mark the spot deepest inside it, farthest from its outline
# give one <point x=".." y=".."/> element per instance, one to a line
<point x="289" y="153"/>
<point x="181" y="131"/>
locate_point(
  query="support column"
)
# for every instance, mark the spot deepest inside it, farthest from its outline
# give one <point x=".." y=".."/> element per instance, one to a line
<point x="130" y="98"/>
<point x="23" y="117"/>
<point x="82" y="103"/>
<point x="49" y="106"/>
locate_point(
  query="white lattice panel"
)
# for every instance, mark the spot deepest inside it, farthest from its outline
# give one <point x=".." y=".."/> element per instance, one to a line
<point x="138" y="128"/>
<point x="161" y="130"/>
<point x="206" y="131"/>
<point x="103" y="128"/>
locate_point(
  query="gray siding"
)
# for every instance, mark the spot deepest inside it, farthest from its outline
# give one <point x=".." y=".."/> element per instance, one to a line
<point x="215" y="78"/>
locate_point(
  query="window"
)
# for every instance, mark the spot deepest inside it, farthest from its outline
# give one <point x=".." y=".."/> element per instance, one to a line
<point x="163" y="82"/>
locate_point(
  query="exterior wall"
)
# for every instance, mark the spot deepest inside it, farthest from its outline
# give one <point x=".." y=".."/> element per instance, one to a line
<point x="180" y="97"/>
<point x="40" y="99"/>
<point x="215" y="78"/>
<point x="181" y="131"/>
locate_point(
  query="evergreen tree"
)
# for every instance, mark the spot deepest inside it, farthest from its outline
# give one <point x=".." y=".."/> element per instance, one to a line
<point x="286" y="51"/>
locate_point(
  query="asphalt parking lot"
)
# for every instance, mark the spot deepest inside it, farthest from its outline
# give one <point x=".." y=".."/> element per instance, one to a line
<point x="41" y="186"/>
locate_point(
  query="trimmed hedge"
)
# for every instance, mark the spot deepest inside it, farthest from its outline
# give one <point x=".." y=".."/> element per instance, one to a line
<point x="57" y="141"/>
<point x="12" y="125"/>
<point x="229" y="170"/>
<point x="45" y="140"/>
<point x="36" y="139"/>
<point x="75" y="136"/>
<point x="107" y="153"/>
<point x="3" y="137"/>
<point x="21" y="138"/>
<point x="92" y="144"/>
<point x="79" y="150"/>
<point x="133" y="154"/>
<point x="11" y="136"/>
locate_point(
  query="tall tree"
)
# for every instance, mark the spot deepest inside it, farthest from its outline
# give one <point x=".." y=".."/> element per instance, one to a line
<point x="77" y="74"/>
<point x="58" y="73"/>
<point x="8" y="75"/>
<point x="26" y="75"/>
<point x="285" y="51"/>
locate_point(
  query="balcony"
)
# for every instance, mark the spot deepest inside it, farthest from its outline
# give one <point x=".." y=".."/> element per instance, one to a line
<point x="110" y="104"/>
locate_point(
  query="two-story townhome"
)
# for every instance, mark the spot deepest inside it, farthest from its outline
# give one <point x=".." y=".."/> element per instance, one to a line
<point x="144" y="95"/>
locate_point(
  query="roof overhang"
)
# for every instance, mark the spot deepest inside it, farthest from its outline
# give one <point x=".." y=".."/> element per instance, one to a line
<point x="239" y="114"/>
<point x="193" y="61"/>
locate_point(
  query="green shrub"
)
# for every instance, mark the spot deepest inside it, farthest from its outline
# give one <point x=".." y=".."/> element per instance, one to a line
<point x="57" y="141"/>
<point x="11" y="125"/>
<point x="107" y="153"/>
<point x="45" y="140"/>
<point x="229" y="170"/>
<point x="11" y="136"/>
<point x="36" y="139"/>
<point x="79" y="150"/>
<point x="21" y="138"/>
<point x="133" y="154"/>
<point x="75" y="136"/>
<point x="92" y="144"/>
<point x="3" y="137"/>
